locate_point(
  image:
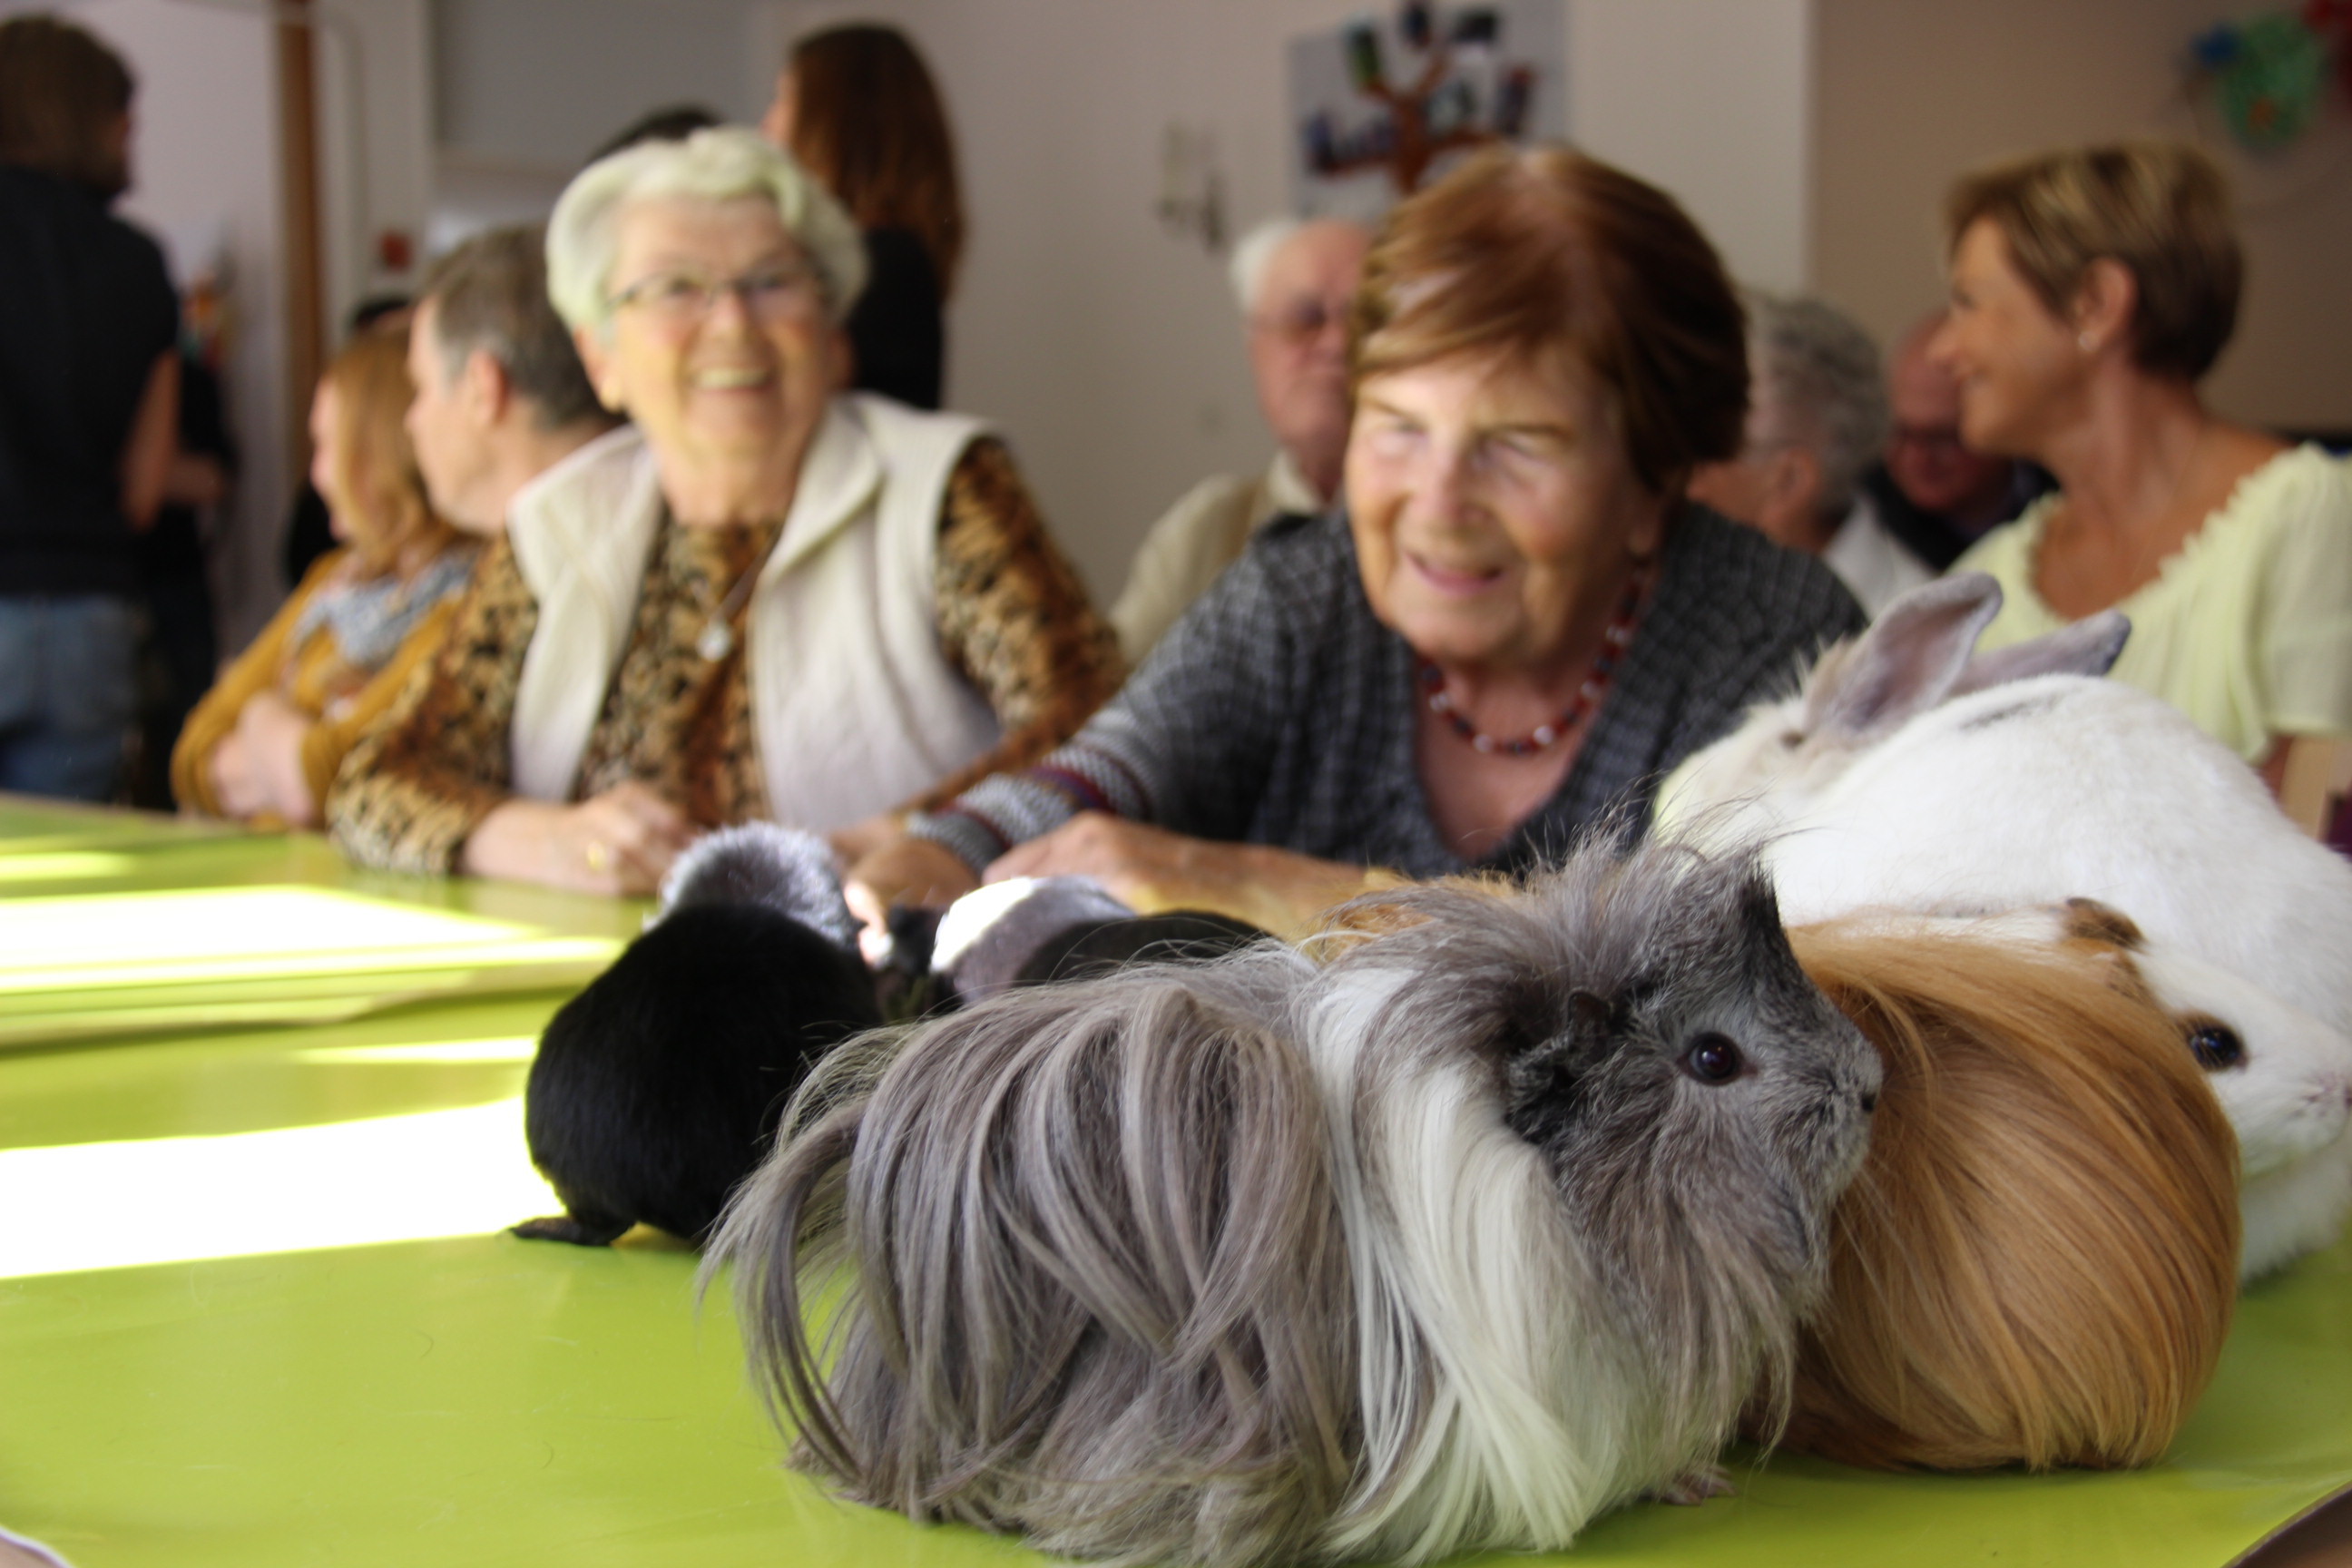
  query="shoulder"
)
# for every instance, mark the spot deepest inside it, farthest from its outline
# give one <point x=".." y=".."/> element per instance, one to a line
<point x="1750" y="590"/>
<point x="2303" y="487"/>
<point x="898" y="431"/>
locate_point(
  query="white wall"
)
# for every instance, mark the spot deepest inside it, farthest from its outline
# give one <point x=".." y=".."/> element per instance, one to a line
<point x="1109" y="350"/>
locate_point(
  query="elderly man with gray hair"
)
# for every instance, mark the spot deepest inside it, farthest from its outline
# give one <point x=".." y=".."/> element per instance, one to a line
<point x="1816" y="419"/>
<point x="500" y="395"/>
<point x="1293" y="281"/>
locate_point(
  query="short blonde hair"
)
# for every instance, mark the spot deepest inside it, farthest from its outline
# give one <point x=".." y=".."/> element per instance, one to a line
<point x="2159" y="210"/>
<point x="719" y="165"/>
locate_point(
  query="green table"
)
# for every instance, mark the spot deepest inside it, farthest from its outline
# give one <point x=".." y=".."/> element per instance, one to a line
<point x="256" y="1309"/>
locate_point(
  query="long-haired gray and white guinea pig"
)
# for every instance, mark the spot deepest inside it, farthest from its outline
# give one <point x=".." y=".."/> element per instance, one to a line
<point x="1487" y="1225"/>
<point x="656" y="1090"/>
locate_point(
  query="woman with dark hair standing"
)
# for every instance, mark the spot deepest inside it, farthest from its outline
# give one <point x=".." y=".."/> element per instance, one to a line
<point x="88" y="409"/>
<point x="2092" y="289"/>
<point x="856" y="108"/>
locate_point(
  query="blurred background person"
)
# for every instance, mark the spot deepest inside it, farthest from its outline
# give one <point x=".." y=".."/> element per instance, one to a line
<point x="763" y="599"/>
<point x="1816" y="417"/>
<point x="310" y="531"/>
<point x="1931" y="492"/>
<point x="1516" y="626"/>
<point x="181" y="653"/>
<point x="2091" y="289"/>
<point x="1293" y="281"/>
<point x="501" y="397"/>
<point x="671" y="122"/>
<point x="88" y="410"/>
<point x="856" y="108"/>
<point x="266" y="740"/>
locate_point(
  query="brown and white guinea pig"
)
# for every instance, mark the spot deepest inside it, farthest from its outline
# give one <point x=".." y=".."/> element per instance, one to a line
<point x="656" y="1090"/>
<point x="2037" y="1263"/>
<point x="1486" y="1226"/>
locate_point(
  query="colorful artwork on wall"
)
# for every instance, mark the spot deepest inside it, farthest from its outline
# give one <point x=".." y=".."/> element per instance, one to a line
<point x="1381" y="103"/>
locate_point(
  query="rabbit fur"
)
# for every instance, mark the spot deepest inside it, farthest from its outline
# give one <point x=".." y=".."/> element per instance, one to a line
<point x="1444" y="1245"/>
<point x="2037" y="1265"/>
<point x="2052" y="786"/>
<point x="655" y="1091"/>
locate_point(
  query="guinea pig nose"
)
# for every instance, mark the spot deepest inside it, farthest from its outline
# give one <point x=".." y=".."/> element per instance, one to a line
<point x="1869" y="1101"/>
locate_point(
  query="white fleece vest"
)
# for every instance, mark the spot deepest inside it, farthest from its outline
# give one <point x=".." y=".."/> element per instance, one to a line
<point x="855" y="706"/>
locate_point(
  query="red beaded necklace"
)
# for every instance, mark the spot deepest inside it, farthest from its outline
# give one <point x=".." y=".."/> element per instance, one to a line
<point x="1613" y="639"/>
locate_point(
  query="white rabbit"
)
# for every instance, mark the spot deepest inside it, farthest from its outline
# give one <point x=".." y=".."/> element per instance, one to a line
<point x="2283" y="1077"/>
<point x="2025" y="791"/>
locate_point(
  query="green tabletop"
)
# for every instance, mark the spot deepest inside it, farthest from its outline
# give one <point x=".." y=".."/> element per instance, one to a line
<point x="256" y="1308"/>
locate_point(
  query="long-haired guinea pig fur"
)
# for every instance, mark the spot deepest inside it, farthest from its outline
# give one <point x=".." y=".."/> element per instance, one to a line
<point x="2037" y="1265"/>
<point x="1485" y="1226"/>
<point x="656" y="1089"/>
<point x="2283" y="1077"/>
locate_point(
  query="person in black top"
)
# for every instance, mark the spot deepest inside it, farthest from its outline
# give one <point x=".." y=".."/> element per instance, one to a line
<point x="88" y="409"/>
<point x="856" y="108"/>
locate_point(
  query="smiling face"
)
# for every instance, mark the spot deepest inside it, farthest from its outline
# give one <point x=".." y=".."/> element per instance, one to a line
<point x="728" y="395"/>
<point x="2019" y="370"/>
<point x="1492" y="505"/>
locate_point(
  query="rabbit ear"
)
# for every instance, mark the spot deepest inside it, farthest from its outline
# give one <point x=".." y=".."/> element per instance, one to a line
<point x="2088" y="647"/>
<point x="1910" y="659"/>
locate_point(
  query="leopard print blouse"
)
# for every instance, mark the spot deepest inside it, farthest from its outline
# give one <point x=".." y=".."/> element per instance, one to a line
<point x="1013" y="618"/>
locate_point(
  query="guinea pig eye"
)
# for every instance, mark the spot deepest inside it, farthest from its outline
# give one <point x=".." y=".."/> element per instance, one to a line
<point x="2216" y="1047"/>
<point x="1791" y="739"/>
<point x="1711" y="1058"/>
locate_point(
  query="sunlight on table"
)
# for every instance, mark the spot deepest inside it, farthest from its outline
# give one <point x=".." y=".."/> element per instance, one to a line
<point x="171" y="1200"/>
<point x="244" y="933"/>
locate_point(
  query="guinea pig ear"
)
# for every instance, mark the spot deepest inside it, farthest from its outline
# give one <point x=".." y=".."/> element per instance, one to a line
<point x="2088" y="647"/>
<point x="1544" y="1063"/>
<point x="1910" y="659"/>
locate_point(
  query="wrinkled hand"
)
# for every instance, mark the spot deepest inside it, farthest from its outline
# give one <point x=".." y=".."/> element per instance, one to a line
<point x="1153" y="869"/>
<point x="903" y="871"/>
<point x="270" y="731"/>
<point x="236" y="783"/>
<point x="619" y="842"/>
<point x="853" y="843"/>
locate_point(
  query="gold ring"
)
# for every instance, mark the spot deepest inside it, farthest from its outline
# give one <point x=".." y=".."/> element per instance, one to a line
<point x="599" y="858"/>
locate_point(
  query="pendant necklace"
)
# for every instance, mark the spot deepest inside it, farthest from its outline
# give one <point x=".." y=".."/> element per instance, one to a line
<point x="717" y="638"/>
<point x="1613" y="639"/>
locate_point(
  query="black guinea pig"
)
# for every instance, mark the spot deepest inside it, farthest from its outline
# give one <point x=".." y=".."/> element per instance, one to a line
<point x="657" y="1088"/>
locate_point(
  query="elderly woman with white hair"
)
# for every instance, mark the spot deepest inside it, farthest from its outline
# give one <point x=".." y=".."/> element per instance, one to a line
<point x="764" y="598"/>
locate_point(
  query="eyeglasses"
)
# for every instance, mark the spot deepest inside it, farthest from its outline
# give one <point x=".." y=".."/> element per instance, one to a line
<point x="1302" y="321"/>
<point x="769" y="294"/>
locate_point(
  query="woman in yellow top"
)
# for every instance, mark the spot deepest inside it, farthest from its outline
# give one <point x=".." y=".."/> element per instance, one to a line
<point x="2090" y="290"/>
<point x="266" y="740"/>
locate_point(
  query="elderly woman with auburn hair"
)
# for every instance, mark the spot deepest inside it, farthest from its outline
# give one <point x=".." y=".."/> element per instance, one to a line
<point x="2091" y="289"/>
<point x="765" y="598"/>
<point x="1515" y="623"/>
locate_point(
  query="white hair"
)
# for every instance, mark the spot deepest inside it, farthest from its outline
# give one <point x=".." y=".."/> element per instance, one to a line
<point x="719" y="164"/>
<point x="1817" y="369"/>
<point x="1252" y="253"/>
